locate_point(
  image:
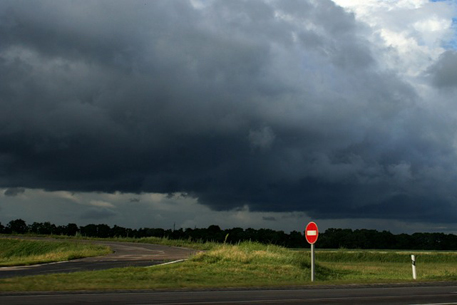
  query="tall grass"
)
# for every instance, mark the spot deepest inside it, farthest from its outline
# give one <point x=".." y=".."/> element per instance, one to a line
<point x="252" y="260"/>
<point x="27" y="252"/>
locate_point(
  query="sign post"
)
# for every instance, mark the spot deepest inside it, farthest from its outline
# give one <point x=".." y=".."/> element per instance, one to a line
<point x="311" y="234"/>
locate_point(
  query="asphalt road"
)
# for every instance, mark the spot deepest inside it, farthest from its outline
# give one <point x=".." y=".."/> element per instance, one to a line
<point x="125" y="255"/>
<point x="335" y="295"/>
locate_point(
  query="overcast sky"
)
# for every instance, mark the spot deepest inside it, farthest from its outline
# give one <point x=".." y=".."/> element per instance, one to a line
<point x="235" y="113"/>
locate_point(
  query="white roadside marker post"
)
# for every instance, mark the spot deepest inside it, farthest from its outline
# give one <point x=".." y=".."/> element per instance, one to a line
<point x="413" y="259"/>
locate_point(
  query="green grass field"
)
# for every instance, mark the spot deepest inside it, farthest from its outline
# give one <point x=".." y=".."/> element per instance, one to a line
<point x="15" y="252"/>
<point x="254" y="265"/>
<point x="376" y="265"/>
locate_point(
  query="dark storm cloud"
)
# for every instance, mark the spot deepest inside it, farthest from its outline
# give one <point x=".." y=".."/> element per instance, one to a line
<point x="276" y="105"/>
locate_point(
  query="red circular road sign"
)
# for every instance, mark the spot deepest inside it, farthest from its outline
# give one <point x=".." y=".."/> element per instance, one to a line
<point x="311" y="232"/>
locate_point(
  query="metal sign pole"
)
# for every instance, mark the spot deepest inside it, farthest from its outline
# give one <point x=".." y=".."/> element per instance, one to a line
<point x="312" y="262"/>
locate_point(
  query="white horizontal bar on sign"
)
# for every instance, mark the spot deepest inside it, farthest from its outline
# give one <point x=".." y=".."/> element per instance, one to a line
<point x="311" y="233"/>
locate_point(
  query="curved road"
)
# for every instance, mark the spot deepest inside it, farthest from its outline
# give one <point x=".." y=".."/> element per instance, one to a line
<point x="124" y="255"/>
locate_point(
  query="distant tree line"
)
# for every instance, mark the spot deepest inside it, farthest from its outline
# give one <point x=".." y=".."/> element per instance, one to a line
<point x="330" y="239"/>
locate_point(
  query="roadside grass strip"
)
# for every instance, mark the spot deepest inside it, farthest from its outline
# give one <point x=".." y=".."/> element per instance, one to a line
<point x="18" y="252"/>
<point x="391" y="265"/>
<point x="251" y="264"/>
<point x="184" y="243"/>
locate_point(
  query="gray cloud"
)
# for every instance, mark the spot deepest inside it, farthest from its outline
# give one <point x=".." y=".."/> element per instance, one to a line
<point x="261" y="139"/>
<point x="269" y="218"/>
<point x="97" y="214"/>
<point x="444" y="71"/>
<point x="14" y="191"/>
<point x="277" y="105"/>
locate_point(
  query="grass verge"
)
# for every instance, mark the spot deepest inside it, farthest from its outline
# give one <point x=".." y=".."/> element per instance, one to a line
<point x="377" y="265"/>
<point x="198" y="245"/>
<point x="16" y="252"/>
<point x="251" y="265"/>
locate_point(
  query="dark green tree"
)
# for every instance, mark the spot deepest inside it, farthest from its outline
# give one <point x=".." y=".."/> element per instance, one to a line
<point x="117" y="231"/>
<point x="17" y="226"/>
<point x="71" y="229"/>
<point x="89" y="230"/>
<point x="43" y="228"/>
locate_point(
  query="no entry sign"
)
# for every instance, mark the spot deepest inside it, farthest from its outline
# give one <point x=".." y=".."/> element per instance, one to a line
<point x="311" y="232"/>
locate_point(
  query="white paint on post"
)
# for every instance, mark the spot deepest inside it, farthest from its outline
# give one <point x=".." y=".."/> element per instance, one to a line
<point x="413" y="260"/>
